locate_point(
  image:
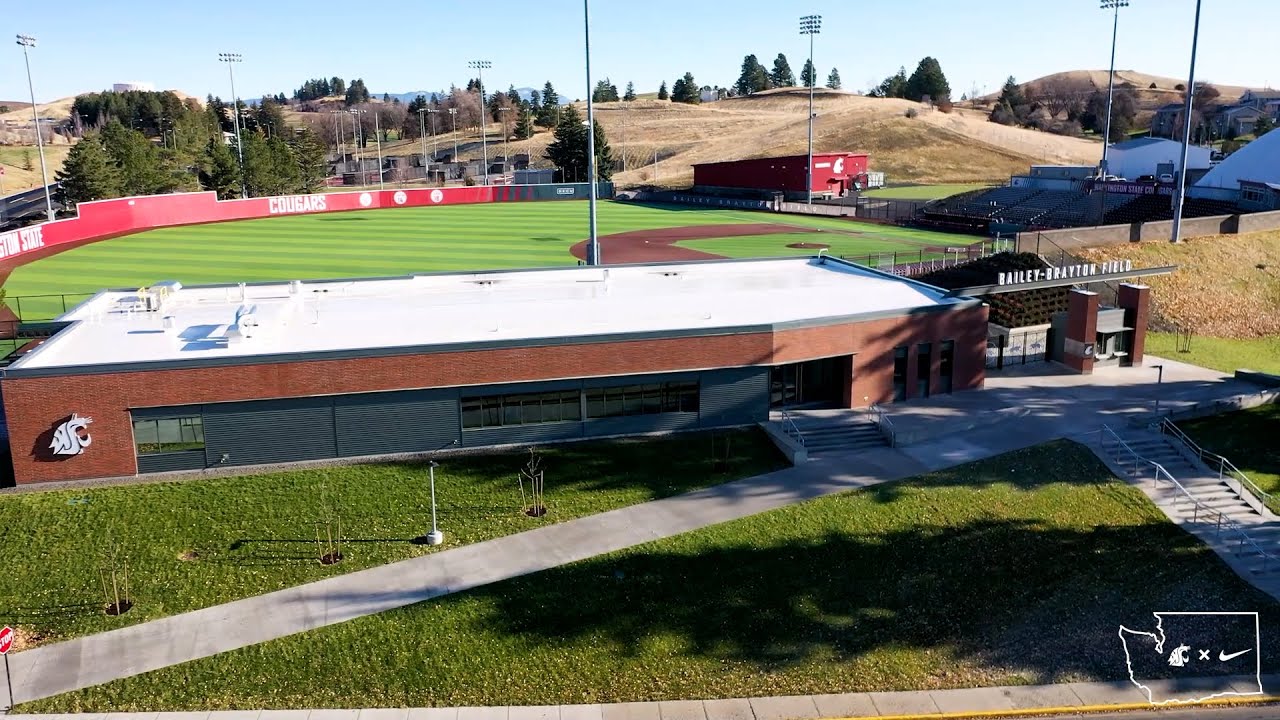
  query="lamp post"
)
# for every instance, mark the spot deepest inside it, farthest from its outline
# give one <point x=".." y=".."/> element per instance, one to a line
<point x="356" y="137"/>
<point x="506" y="153"/>
<point x="810" y="25"/>
<point x="422" y="130"/>
<point x="26" y="41"/>
<point x="377" y="139"/>
<point x="435" y="537"/>
<point x="1114" y="6"/>
<point x="1159" y="380"/>
<point x="231" y="59"/>
<point x="480" y="66"/>
<point x="434" y="140"/>
<point x="593" y="242"/>
<point x="453" y="113"/>
<point x="337" y="140"/>
<point x="1180" y="189"/>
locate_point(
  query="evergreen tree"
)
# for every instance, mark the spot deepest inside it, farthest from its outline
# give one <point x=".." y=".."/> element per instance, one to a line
<point x="356" y="93"/>
<point x="781" y="76"/>
<point x="833" y="80"/>
<point x="752" y="78"/>
<point x="535" y="102"/>
<point x="136" y="160"/>
<point x="87" y="173"/>
<point x="219" y="170"/>
<point x="260" y="176"/>
<point x="1264" y="125"/>
<point x="337" y="86"/>
<point x="569" y="149"/>
<point x="550" y="106"/>
<point x="928" y="80"/>
<point x="894" y="86"/>
<point x="1012" y="107"/>
<point x="524" y="124"/>
<point x="285" y="171"/>
<point x="630" y="94"/>
<point x="309" y="154"/>
<point x="662" y="91"/>
<point x="685" y="90"/>
<point x="808" y="76"/>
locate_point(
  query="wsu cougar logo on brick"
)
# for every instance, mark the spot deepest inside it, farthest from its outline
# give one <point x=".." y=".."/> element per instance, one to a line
<point x="72" y="436"/>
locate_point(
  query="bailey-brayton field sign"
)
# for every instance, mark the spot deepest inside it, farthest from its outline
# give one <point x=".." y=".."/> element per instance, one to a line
<point x="1065" y="272"/>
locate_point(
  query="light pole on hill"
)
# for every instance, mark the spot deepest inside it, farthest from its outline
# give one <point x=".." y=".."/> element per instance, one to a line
<point x="434" y="140"/>
<point x="337" y="140"/>
<point x="231" y="59"/>
<point x="480" y="66"/>
<point x="593" y="242"/>
<point x="1114" y="6"/>
<point x="1180" y="189"/>
<point x="810" y="25"/>
<point x="357" y="137"/>
<point x="506" y="154"/>
<point x="26" y="41"/>
<point x="422" y="131"/>
<point x="453" y="113"/>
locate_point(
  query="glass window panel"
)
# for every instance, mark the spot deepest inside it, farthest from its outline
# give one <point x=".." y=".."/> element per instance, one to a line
<point x="613" y="402"/>
<point x="595" y="403"/>
<point x="570" y="407"/>
<point x="169" y="430"/>
<point x="144" y="431"/>
<point x="632" y="401"/>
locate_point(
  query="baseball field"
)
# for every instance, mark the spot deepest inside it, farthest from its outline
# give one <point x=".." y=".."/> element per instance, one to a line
<point x="447" y="238"/>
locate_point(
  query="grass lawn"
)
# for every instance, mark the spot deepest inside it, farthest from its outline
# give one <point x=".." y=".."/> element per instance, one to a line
<point x="1016" y="569"/>
<point x="1248" y="439"/>
<point x="921" y="192"/>
<point x="254" y="534"/>
<point x="372" y="243"/>
<point x="1223" y="354"/>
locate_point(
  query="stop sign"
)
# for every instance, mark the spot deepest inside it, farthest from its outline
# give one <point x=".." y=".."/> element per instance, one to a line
<point x="6" y="639"/>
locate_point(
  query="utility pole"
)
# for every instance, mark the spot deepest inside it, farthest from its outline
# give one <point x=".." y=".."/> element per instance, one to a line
<point x="593" y="242"/>
<point x="810" y="25"/>
<point x="480" y="66"/>
<point x="1180" y="189"/>
<point x="230" y="59"/>
<point x="506" y="152"/>
<point x="337" y="140"/>
<point x="453" y="113"/>
<point x="26" y="41"/>
<point x="434" y="140"/>
<point x="422" y="130"/>
<point x="357" y="136"/>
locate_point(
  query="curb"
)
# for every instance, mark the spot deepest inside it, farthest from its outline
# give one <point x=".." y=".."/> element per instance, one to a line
<point x="1073" y="709"/>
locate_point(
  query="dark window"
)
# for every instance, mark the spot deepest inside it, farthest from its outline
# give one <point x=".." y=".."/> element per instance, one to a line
<point x="650" y="399"/>
<point x="524" y="409"/>
<point x="946" y="366"/>
<point x="900" y="373"/>
<point x="164" y="435"/>
<point x="923" y="362"/>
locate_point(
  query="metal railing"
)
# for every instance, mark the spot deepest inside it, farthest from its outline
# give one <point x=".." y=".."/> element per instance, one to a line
<point x="1245" y="488"/>
<point x="885" y="424"/>
<point x="1134" y="464"/>
<point x="790" y="428"/>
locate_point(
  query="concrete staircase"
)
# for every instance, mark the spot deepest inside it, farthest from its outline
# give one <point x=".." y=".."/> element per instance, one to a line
<point x="1244" y="534"/>
<point x="836" y="432"/>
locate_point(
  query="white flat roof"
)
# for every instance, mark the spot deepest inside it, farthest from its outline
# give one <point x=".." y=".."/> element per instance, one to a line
<point x="420" y="311"/>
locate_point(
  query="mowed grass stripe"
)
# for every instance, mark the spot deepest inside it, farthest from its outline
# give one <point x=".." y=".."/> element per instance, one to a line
<point x="386" y="243"/>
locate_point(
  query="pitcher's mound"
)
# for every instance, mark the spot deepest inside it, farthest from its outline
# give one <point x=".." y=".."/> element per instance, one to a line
<point x="810" y="246"/>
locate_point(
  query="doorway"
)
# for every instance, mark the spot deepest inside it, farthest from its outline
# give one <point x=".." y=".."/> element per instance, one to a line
<point x="814" y="383"/>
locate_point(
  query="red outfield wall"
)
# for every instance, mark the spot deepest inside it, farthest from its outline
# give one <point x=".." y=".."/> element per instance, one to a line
<point x="104" y="219"/>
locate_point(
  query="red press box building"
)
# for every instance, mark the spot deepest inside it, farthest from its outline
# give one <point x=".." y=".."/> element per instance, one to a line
<point x="834" y="174"/>
<point x="177" y="378"/>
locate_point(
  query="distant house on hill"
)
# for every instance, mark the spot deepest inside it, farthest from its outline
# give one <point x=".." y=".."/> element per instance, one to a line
<point x="1165" y="122"/>
<point x="1236" y="119"/>
<point x="1259" y="99"/>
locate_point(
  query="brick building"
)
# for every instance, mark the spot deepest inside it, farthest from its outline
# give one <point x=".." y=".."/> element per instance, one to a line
<point x="177" y="378"/>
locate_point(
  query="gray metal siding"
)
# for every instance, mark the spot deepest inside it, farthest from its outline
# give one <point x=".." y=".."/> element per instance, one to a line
<point x="518" y="388"/>
<point x="395" y="422"/>
<point x="169" y="462"/>
<point x="634" y="424"/>
<point x="516" y="434"/>
<point x="269" y="431"/>
<point x="736" y="396"/>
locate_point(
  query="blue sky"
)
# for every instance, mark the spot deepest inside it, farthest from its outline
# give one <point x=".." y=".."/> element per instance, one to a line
<point x="424" y="44"/>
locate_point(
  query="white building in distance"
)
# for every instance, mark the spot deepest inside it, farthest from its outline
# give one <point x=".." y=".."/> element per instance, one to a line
<point x="135" y="86"/>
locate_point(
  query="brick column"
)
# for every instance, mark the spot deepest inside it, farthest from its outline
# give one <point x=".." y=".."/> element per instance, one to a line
<point x="1082" y="331"/>
<point x="1136" y="301"/>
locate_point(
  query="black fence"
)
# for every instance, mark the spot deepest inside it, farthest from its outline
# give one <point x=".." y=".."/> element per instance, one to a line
<point x="910" y="263"/>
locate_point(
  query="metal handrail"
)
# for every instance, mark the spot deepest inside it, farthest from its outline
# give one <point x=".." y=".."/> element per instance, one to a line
<point x="789" y="427"/>
<point x="885" y="424"/>
<point x="1224" y="465"/>
<point x="1214" y="517"/>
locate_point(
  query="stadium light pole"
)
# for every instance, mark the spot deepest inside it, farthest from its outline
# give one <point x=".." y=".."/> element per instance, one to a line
<point x="422" y="130"/>
<point x="1114" y="6"/>
<point x="480" y="66"/>
<point x="593" y="241"/>
<point x="1180" y="190"/>
<point x="231" y="59"/>
<point x="26" y="41"/>
<point x="506" y="153"/>
<point x="810" y="25"/>
<point x="453" y="113"/>
<point x="337" y="138"/>
<point x="356" y="136"/>
<point x="377" y="139"/>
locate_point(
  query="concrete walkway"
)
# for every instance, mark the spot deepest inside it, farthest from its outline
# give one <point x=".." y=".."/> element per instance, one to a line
<point x="1017" y="411"/>
<point x="1034" y="699"/>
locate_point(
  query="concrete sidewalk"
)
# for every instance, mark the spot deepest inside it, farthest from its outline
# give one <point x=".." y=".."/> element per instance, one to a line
<point x="1057" y="406"/>
<point x="1033" y="699"/>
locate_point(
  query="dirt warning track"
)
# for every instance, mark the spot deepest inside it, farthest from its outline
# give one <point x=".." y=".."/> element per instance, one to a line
<point x="659" y="245"/>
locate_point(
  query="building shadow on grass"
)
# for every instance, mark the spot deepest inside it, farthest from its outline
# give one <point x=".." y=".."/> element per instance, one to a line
<point x="1012" y="596"/>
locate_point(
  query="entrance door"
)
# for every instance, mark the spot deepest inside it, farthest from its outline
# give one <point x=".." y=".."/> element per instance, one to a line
<point x="814" y="383"/>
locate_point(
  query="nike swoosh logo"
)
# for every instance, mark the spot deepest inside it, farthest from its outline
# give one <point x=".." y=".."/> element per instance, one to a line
<point x="1223" y="657"/>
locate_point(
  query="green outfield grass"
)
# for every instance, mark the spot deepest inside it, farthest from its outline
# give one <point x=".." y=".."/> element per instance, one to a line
<point x="390" y="242"/>
<point x="921" y="192"/>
